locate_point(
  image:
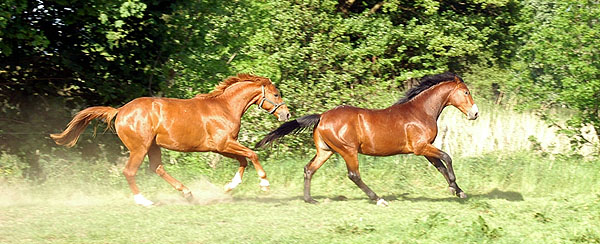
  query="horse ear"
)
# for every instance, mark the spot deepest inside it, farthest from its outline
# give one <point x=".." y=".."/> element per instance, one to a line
<point x="457" y="79"/>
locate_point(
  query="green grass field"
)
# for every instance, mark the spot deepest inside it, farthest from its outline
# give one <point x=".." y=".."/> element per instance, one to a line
<point x="519" y="197"/>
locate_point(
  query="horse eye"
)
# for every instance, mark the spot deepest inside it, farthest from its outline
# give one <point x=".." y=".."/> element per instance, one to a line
<point x="467" y="93"/>
<point x="276" y="95"/>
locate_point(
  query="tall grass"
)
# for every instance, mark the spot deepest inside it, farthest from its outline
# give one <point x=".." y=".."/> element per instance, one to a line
<point x="498" y="129"/>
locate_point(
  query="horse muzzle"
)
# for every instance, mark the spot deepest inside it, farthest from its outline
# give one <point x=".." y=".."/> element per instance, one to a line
<point x="283" y="116"/>
<point x="473" y="112"/>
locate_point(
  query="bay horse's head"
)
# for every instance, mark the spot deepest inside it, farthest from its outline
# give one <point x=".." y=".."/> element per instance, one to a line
<point x="461" y="98"/>
<point x="272" y="101"/>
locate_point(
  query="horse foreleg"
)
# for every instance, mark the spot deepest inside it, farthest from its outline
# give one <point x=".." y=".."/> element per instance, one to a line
<point x="134" y="162"/>
<point x="235" y="148"/>
<point x="154" y="156"/>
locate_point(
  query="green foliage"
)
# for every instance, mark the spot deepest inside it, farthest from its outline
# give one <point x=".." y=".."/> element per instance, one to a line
<point x="321" y="56"/>
<point x="425" y="225"/>
<point x="210" y="35"/>
<point x="541" y="218"/>
<point x="350" y="228"/>
<point x="11" y="168"/>
<point x="558" y="64"/>
<point x="61" y="56"/>
<point x="586" y="237"/>
<point x="481" y="229"/>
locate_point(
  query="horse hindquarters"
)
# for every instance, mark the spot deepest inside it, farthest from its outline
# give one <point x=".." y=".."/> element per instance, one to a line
<point x="134" y="126"/>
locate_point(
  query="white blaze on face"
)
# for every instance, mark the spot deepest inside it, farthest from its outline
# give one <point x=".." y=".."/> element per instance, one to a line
<point x="474" y="112"/>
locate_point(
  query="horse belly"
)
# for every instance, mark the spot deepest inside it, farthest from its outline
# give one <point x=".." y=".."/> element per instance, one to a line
<point x="383" y="150"/>
<point x="382" y="140"/>
<point x="182" y="143"/>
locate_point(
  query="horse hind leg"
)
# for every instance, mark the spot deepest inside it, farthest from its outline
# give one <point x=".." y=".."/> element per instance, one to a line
<point x="354" y="175"/>
<point x="237" y="179"/>
<point x="310" y="168"/>
<point x="448" y="173"/>
<point x="131" y="168"/>
<point x="154" y="156"/>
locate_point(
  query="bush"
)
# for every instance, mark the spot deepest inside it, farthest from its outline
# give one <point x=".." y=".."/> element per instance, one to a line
<point x="11" y="168"/>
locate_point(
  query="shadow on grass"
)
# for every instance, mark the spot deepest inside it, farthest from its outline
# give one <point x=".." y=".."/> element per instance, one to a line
<point x="277" y="200"/>
<point x="493" y="194"/>
<point x="283" y="200"/>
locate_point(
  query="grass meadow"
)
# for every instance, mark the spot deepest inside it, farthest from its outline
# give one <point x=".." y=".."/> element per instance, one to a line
<point x="524" y="184"/>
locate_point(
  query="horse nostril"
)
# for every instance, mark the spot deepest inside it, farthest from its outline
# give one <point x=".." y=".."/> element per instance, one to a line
<point x="283" y="116"/>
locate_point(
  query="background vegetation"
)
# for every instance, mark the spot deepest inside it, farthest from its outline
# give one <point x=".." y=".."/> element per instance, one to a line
<point x="61" y="56"/>
<point x="530" y="162"/>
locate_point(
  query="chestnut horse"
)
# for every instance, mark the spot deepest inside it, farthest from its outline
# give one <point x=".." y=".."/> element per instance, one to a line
<point x="207" y="122"/>
<point x="408" y="126"/>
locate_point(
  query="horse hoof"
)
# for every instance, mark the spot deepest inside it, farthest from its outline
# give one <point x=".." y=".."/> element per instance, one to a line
<point x="142" y="201"/>
<point x="311" y="201"/>
<point x="462" y="194"/>
<point x="188" y="196"/>
<point x="452" y="191"/>
<point x="226" y="188"/>
<point x="264" y="188"/>
<point x="382" y="202"/>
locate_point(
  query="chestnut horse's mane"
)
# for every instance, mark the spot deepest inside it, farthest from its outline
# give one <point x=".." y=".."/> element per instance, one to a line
<point x="426" y="83"/>
<point x="232" y="80"/>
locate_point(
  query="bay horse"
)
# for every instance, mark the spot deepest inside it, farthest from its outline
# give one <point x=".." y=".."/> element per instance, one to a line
<point x="207" y="122"/>
<point x="408" y="126"/>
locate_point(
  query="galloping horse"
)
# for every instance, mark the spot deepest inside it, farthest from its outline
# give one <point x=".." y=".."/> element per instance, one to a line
<point x="207" y="122"/>
<point x="408" y="126"/>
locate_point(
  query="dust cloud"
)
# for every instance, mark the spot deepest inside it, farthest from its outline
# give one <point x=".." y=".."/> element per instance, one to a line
<point x="204" y="193"/>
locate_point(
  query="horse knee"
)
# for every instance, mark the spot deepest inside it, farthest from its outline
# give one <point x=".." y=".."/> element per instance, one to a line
<point x="253" y="157"/>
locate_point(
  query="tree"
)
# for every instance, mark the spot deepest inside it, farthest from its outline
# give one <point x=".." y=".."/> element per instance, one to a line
<point x="559" y="63"/>
<point x="59" y="56"/>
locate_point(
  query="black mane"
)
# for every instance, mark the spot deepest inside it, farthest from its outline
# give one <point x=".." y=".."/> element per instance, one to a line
<point x="427" y="82"/>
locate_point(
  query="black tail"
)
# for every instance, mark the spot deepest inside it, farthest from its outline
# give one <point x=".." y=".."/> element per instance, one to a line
<point x="293" y="126"/>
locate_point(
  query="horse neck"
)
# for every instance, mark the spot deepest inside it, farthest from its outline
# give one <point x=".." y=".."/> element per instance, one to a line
<point x="433" y="100"/>
<point x="239" y="97"/>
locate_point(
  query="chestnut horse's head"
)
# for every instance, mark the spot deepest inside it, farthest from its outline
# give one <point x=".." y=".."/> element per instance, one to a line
<point x="272" y="101"/>
<point x="461" y="98"/>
